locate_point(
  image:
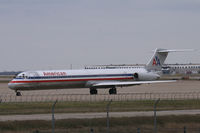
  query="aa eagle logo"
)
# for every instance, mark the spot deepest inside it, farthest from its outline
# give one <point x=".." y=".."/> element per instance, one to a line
<point x="156" y="61"/>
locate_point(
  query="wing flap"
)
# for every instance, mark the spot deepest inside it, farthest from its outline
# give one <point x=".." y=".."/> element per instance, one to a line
<point x="130" y="83"/>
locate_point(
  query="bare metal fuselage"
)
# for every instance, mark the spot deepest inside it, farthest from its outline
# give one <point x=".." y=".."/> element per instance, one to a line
<point x="74" y="78"/>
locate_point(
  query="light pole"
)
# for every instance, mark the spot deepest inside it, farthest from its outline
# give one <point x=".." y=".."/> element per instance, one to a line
<point x="108" y="121"/>
<point x="155" y="120"/>
<point x="53" y="119"/>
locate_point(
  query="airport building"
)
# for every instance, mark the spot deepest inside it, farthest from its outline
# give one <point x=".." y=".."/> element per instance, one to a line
<point x="181" y="69"/>
<point x="119" y="66"/>
<point x="166" y="69"/>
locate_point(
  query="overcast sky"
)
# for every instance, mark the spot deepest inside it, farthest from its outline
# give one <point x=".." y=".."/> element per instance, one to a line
<point x="52" y="34"/>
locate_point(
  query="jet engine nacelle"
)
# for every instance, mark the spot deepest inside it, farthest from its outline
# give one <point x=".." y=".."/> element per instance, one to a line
<point x="146" y="76"/>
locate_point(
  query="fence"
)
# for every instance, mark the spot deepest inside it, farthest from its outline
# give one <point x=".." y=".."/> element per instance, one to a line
<point x="99" y="97"/>
<point x="142" y="130"/>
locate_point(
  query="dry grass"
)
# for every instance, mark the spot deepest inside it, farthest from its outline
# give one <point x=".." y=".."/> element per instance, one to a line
<point x="122" y="125"/>
<point x="78" y="107"/>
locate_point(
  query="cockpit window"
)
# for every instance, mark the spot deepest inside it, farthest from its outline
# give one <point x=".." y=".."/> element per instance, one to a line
<point x="18" y="77"/>
<point x="22" y="76"/>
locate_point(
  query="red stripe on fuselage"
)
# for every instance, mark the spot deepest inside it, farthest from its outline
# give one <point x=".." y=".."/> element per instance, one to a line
<point x="44" y="81"/>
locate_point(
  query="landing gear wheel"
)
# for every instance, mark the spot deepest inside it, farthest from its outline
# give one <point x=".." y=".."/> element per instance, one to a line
<point x="18" y="93"/>
<point x="113" y="91"/>
<point x="93" y="91"/>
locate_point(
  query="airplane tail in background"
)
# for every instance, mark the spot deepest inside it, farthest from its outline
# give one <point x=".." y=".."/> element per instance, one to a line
<point x="159" y="57"/>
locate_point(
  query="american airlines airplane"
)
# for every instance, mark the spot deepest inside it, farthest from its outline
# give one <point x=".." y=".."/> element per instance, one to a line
<point x="92" y="78"/>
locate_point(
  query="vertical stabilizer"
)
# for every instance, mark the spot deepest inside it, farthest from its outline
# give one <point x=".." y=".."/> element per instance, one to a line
<point x="157" y="60"/>
<point x="159" y="57"/>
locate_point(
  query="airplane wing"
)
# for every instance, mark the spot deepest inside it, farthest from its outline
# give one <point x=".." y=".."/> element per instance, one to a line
<point x="102" y="84"/>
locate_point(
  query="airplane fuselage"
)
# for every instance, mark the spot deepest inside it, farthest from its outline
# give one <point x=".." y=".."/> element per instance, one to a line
<point x="63" y="79"/>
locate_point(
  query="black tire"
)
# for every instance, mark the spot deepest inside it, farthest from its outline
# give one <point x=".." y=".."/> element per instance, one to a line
<point x="113" y="91"/>
<point x="18" y="94"/>
<point x="93" y="91"/>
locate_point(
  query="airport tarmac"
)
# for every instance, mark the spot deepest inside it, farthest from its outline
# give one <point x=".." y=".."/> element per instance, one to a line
<point x="179" y="90"/>
<point x="178" y="86"/>
<point x="59" y="116"/>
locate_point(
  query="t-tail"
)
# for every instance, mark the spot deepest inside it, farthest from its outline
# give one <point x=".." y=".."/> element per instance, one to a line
<point x="159" y="57"/>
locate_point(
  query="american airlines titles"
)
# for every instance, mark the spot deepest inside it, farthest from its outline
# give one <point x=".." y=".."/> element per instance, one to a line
<point x="54" y="73"/>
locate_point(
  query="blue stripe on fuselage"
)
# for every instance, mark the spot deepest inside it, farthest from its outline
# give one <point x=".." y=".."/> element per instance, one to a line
<point x="76" y="76"/>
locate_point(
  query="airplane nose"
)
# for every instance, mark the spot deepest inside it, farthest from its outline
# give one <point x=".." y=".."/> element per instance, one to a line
<point x="11" y="85"/>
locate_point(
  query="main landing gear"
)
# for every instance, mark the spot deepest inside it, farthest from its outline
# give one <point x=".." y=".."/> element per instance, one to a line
<point x="113" y="90"/>
<point x="93" y="91"/>
<point x="18" y="93"/>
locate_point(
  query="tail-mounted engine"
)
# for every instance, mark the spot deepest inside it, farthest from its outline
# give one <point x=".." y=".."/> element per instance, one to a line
<point x="145" y="76"/>
<point x="136" y="76"/>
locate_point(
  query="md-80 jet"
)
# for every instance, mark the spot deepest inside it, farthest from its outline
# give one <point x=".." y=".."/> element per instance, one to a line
<point x="92" y="78"/>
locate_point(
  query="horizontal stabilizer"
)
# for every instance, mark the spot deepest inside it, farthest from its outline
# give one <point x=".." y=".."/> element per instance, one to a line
<point x="175" y="50"/>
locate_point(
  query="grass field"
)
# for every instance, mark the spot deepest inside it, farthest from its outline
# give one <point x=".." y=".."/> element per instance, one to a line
<point x="4" y="81"/>
<point x="5" y="78"/>
<point x="77" y="107"/>
<point x="165" y="124"/>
